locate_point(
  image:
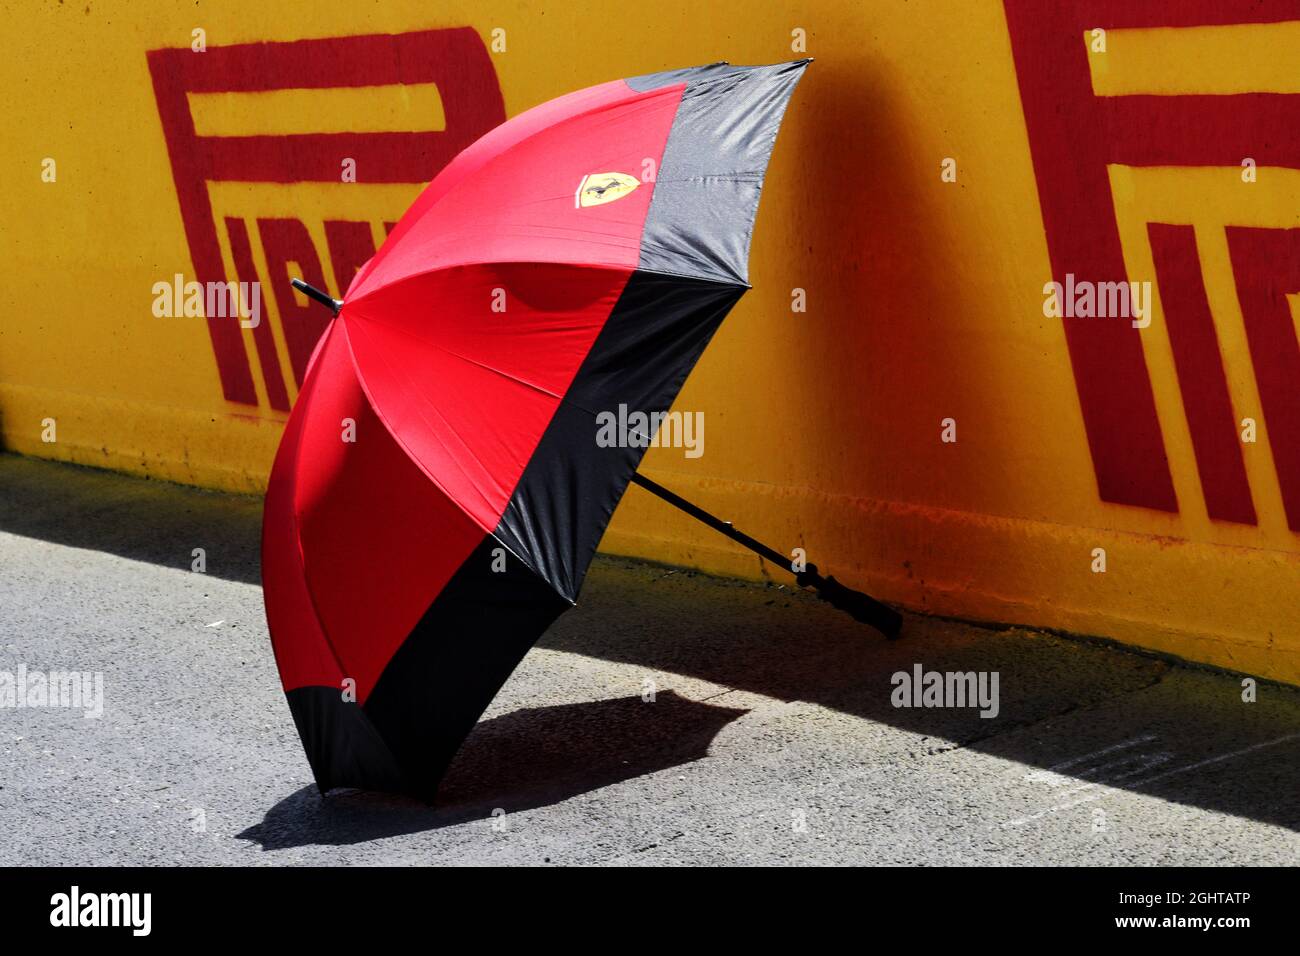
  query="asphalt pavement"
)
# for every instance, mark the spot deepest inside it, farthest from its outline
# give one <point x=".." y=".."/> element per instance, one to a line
<point x="671" y="718"/>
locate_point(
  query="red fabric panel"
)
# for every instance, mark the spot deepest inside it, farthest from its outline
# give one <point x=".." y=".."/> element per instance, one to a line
<point x="362" y="537"/>
<point x="511" y="197"/>
<point x="470" y="160"/>
<point x="374" y="543"/>
<point x="468" y="390"/>
<point x="301" y="652"/>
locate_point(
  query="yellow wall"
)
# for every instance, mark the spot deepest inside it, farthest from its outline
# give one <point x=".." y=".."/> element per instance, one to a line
<point x="823" y="428"/>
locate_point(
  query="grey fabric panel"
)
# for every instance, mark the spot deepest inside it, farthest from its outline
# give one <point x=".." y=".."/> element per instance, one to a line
<point x="652" y="81"/>
<point x="706" y="193"/>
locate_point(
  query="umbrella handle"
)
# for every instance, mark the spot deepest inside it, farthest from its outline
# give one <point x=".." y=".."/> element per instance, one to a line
<point x="311" y="292"/>
<point x="861" y="607"/>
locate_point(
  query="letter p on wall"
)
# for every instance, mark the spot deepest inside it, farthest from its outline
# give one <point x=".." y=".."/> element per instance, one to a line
<point x="256" y="134"/>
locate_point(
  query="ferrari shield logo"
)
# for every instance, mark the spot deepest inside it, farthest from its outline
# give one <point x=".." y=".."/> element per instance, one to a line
<point x="599" y="188"/>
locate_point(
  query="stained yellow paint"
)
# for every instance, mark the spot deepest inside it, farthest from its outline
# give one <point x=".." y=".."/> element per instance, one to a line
<point x="924" y="302"/>
<point x="415" y="107"/>
<point x="1232" y="58"/>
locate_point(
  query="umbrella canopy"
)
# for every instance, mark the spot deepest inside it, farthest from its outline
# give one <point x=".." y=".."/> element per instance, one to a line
<point x="439" y="491"/>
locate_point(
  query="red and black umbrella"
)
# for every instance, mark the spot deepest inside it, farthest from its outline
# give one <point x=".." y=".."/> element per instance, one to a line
<point x="439" y="491"/>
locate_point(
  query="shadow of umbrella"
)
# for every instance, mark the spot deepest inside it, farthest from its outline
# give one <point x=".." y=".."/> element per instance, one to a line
<point x="1060" y="699"/>
<point x="530" y="758"/>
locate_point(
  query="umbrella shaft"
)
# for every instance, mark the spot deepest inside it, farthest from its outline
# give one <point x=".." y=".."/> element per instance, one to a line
<point x="311" y="292"/>
<point x="862" y="607"/>
<point x="714" y="522"/>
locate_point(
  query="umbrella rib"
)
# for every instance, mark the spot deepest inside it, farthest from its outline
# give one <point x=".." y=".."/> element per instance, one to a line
<point x="562" y="399"/>
<point x="354" y="303"/>
<point x="463" y="358"/>
<point x="295" y="518"/>
<point x="433" y="431"/>
<point x="490" y="531"/>
<point x="311" y="596"/>
<point x="472" y="263"/>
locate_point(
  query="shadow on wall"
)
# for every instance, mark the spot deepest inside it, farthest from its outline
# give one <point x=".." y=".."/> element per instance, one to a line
<point x="852" y="403"/>
<point x="876" y="357"/>
<point x="1061" y="702"/>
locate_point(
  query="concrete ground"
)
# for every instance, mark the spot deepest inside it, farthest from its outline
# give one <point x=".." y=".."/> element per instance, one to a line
<point x="770" y="739"/>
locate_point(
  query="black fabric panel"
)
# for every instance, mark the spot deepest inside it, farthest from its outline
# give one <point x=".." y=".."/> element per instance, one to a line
<point x="707" y="187"/>
<point x="455" y="660"/>
<point x="564" y="500"/>
<point x="342" y="746"/>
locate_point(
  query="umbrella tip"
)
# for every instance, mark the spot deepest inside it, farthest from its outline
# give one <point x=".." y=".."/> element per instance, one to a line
<point x="311" y="292"/>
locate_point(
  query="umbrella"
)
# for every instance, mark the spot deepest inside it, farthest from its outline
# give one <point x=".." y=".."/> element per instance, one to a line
<point x="439" y="491"/>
